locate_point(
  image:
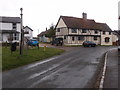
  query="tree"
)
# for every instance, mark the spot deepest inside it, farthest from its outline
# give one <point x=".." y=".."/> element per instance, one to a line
<point x="50" y="32"/>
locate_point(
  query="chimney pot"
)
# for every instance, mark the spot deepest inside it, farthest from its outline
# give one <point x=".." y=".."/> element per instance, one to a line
<point x="84" y="15"/>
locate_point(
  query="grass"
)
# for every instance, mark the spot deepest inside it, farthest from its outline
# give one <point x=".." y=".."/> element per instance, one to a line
<point x="14" y="60"/>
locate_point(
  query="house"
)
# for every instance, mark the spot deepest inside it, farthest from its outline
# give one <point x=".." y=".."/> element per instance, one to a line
<point x="28" y="32"/>
<point x="43" y="38"/>
<point x="10" y="29"/>
<point x="75" y="31"/>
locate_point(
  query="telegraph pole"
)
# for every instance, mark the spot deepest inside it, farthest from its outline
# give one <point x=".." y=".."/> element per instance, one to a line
<point x="22" y="34"/>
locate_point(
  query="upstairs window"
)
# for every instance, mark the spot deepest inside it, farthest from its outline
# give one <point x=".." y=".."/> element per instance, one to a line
<point x="81" y="38"/>
<point x="16" y="36"/>
<point x="109" y="33"/>
<point x="74" y="30"/>
<point x="104" y="32"/>
<point x="14" y="26"/>
<point x="96" y="32"/>
<point x="84" y="31"/>
<point x="58" y="29"/>
<point x="107" y="39"/>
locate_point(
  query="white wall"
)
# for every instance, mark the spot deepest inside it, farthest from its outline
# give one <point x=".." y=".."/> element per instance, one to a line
<point x="103" y="38"/>
<point x="8" y="26"/>
<point x="61" y="23"/>
<point x="5" y="26"/>
<point x="30" y="35"/>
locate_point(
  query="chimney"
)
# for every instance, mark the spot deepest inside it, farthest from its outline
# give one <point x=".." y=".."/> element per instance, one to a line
<point x="84" y="15"/>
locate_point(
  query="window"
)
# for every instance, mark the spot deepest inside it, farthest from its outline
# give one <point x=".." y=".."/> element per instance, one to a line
<point x="73" y="38"/>
<point x="14" y="26"/>
<point x="64" y="37"/>
<point x="107" y="39"/>
<point x="16" y="36"/>
<point x="84" y="31"/>
<point x="96" y="32"/>
<point x="26" y="32"/>
<point x="95" y="37"/>
<point x="81" y="38"/>
<point x="109" y="33"/>
<point x="58" y="29"/>
<point x="74" y="30"/>
<point x="103" y="32"/>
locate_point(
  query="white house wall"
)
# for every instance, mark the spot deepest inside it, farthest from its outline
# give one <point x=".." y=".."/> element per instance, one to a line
<point x="6" y="26"/>
<point x="103" y="39"/>
<point x="114" y="38"/>
<point x="30" y="35"/>
<point x="61" y="23"/>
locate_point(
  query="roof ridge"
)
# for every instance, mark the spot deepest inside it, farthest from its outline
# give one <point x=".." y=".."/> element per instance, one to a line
<point x="76" y="17"/>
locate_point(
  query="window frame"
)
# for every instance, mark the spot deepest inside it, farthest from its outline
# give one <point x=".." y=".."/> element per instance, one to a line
<point x="107" y="39"/>
<point x="14" y="26"/>
<point x="73" y="38"/>
<point x="110" y="33"/>
<point x="95" y="38"/>
<point x="104" y="32"/>
<point x="58" y="29"/>
<point x="74" y="30"/>
<point x="96" y="32"/>
<point x="84" y="30"/>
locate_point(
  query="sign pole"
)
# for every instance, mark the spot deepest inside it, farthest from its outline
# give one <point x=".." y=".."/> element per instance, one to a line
<point x="21" y="41"/>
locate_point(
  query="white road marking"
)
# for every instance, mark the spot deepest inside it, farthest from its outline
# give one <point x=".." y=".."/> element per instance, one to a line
<point x="42" y="62"/>
<point x="103" y="74"/>
<point x="43" y="72"/>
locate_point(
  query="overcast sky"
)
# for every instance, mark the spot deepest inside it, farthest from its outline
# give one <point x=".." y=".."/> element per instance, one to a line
<point x="39" y="14"/>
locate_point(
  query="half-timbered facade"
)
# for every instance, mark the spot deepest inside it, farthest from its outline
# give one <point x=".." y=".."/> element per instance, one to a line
<point x="75" y="31"/>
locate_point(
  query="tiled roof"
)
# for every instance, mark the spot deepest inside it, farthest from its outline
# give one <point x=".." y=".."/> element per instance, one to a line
<point x="42" y="33"/>
<point x="10" y="19"/>
<point x="74" y="22"/>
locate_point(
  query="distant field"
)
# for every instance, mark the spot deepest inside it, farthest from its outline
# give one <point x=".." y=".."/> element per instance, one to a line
<point x="14" y="60"/>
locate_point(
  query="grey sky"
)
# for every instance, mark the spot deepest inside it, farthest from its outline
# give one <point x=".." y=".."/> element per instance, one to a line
<point x="39" y="14"/>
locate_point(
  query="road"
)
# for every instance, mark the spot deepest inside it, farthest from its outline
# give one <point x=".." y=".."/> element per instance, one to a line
<point x="76" y="68"/>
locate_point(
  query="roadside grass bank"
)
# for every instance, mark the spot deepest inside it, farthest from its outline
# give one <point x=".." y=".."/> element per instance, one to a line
<point x="14" y="60"/>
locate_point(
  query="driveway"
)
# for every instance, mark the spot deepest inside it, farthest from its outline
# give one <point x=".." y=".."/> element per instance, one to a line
<point x="76" y="68"/>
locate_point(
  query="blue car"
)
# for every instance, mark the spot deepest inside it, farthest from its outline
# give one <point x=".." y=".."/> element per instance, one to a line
<point x="33" y="42"/>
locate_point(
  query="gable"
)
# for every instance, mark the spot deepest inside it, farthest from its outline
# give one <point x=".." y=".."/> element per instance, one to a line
<point x="61" y="23"/>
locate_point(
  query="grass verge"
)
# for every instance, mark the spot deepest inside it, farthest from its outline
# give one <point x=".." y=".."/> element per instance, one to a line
<point x="14" y="60"/>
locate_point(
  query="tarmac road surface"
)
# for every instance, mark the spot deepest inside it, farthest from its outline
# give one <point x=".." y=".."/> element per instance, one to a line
<point x="73" y="69"/>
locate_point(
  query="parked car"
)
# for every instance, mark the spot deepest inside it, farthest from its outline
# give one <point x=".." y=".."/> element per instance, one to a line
<point x="118" y="48"/>
<point x="33" y="42"/>
<point x="89" y="44"/>
<point x="57" y="41"/>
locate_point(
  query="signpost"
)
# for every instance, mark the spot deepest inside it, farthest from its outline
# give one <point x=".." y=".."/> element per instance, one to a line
<point x="22" y="34"/>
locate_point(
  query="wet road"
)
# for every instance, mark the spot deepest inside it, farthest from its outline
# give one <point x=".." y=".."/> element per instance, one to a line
<point x="74" y="69"/>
